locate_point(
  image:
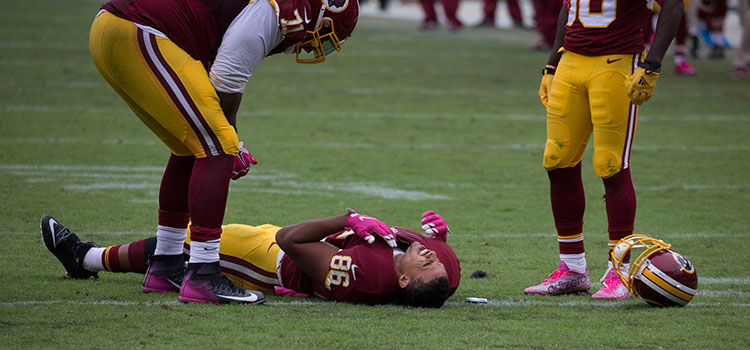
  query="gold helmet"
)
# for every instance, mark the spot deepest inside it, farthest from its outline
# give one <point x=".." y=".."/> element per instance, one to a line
<point x="660" y="276"/>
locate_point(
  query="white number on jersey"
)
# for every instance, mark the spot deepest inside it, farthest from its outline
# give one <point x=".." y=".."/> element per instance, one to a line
<point x="338" y="275"/>
<point x="581" y="9"/>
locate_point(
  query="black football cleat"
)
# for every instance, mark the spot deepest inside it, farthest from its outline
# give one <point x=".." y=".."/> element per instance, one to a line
<point x="165" y="274"/>
<point x="204" y="283"/>
<point x="67" y="247"/>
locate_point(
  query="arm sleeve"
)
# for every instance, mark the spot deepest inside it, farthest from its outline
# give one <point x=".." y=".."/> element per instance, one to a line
<point x="250" y="37"/>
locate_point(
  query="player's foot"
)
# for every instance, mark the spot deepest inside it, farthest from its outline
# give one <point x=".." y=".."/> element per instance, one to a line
<point x="486" y="23"/>
<point x="67" y="247"/>
<point x="455" y="26"/>
<point x="562" y="281"/>
<point x="165" y="274"/>
<point x="518" y="24"/>
<point x="684" y="68"/>
<point x="612" y="287"/>
<point x="204" y="283"/>
<point x="429" y="26"/>
<point x="739" y="73"/>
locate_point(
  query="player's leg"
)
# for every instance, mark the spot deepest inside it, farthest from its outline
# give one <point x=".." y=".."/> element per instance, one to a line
<point x="568" y="131"/>
<point x="515" y="13"/>
<point x="430" y="21"/>
<point x="681" y="64"/>
<point x="450" y="7"/>
<point x="614" y="119"/>
<point x="488" y="9"/>
<point x="742" y="55"/>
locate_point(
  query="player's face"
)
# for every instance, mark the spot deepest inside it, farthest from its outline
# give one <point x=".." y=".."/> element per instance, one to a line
<point x="418" y="261"/>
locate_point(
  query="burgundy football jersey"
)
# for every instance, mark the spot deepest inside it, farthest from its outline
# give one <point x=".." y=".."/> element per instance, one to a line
<point x="606" y="27"/>
<point x="362" y="273"/>
<point x="197" y="26"/>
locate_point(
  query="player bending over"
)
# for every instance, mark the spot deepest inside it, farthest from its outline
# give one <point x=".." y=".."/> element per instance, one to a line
<point x="336" y="258"/>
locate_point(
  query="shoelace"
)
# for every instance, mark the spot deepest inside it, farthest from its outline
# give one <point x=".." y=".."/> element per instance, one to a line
<point x="554" y="275"/>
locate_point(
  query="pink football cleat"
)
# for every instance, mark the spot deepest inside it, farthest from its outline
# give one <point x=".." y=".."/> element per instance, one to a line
<point x="684" y="68"/>
<point x="612" y="287"/>
<point x="562" y="281"/>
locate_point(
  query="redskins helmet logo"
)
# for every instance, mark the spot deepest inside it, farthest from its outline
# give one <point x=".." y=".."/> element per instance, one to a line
<point x="336" y="5"/>
<point x="683" y="262"/>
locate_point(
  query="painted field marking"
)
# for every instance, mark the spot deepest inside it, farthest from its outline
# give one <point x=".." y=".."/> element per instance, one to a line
<point x="495" y="303"/>
<point x="90" y="174"/>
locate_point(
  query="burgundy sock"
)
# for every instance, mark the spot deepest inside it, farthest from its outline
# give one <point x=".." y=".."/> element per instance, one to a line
<point x="619" y="195"/>
<point x="129" y="257"/>
<point x="209" y="187"/>
<point x="173" y="192"/>
<point x="568" y="204"/>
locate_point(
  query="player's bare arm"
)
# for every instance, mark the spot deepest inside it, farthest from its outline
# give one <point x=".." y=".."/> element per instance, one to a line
<point x="555" y="54"/>
<point x="230" y="103"/>
<point x="301" y="242"/>
<point x="669" y="20"/>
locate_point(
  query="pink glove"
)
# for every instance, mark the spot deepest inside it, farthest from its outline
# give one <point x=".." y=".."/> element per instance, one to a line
<point x="242" y="162"/>
<point x="434" y="225"/>
<point x="364" y="226"/>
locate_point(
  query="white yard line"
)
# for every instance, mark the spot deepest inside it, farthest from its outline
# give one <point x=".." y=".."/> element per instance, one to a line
<point x="496" y="303"/>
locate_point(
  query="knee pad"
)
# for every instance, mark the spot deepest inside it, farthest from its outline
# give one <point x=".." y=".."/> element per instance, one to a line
<point x="553" y="154"/>
<point x="607" y="162"/>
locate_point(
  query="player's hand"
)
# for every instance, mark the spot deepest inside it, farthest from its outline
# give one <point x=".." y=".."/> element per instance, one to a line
<point x="242" y="162"/>
<point x="365" y="226"/>
<point x="641" y="85"/>
<point x="434" y="225"/>
<point x="546" y="86"/>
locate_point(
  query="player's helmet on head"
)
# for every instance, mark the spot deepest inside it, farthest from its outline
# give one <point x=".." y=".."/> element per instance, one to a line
<point x="658" y="275"/>
<point x="334" y="23"/>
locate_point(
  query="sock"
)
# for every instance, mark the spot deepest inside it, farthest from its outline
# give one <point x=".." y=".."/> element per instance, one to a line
<point x="129" y="257"/>
<point x="623" y="269"/>
<point x="204" y="252"/>
<point x="679" y="56"/>
<point x="575" y="262"/>
<point x="173" y="205"/>
<point x="209" y="187"/>
<point x="568" y="204"/>
<point x="170" y="240"/>
<point x="93" y="260"/>
<point x="619" y="196"/>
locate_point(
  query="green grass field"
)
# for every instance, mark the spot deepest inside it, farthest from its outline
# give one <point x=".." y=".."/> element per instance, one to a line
<point x="397" y="123"/>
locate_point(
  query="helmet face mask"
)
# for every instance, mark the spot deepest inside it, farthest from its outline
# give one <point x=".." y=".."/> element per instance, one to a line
<point x="660" y="276"/>
<point x="322" y="41"/>
<point x="336" y="21"/>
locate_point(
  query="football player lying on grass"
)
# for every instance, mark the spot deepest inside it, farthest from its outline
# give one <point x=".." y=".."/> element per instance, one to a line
<point x="336" y="258"/>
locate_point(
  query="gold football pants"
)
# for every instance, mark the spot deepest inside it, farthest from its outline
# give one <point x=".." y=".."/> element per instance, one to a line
<point x="165" y="87"/>
<point x="588" y="96"/>
<point x="248" y="254"/>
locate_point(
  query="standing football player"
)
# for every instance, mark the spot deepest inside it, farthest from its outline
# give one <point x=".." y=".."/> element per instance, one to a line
<point x="181" y="66"/>
<point x="337" y="258"/>
<point x="594" y="81"/>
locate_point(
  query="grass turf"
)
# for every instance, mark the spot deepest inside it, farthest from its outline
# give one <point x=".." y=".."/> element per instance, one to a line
<point x="397" y="123"/>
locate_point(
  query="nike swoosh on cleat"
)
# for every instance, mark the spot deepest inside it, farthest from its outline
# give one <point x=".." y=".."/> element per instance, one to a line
<point x="52" y="223"/>
<point x="613" y="61"/>
<point x="173" y="283"/>
<point x="251" y="299"/>
<point x="307" y="20"/>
